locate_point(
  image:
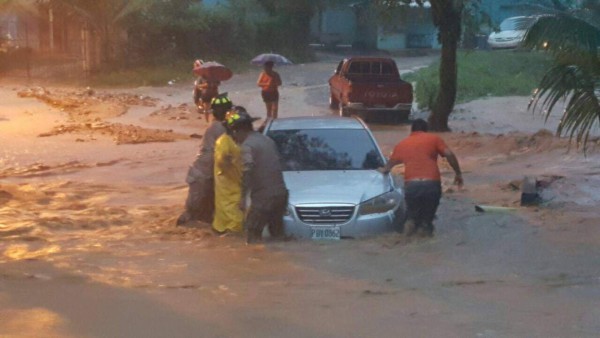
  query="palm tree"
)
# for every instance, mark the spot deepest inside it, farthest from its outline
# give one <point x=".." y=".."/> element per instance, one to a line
<point x="573" y="39"/>
<point x="447" y="17"/>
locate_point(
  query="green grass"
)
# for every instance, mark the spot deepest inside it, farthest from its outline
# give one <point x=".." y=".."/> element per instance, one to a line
<point x="155" y="73"/>
<point x="158" y="75"/>
<point x="143" y="75"/>
<point x="484" y="73"/>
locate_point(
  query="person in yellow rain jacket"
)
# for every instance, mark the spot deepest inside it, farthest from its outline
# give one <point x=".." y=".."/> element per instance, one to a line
<point x="228" y="185"/>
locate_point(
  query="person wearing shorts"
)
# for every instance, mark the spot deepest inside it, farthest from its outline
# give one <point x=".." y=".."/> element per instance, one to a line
<point x="269" y="80"/>
<point x="208" y="90"/>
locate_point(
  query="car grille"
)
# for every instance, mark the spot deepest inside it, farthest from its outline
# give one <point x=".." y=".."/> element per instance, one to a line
<point x="324" y="215"/>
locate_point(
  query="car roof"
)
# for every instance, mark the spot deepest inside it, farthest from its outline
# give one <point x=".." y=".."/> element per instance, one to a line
<point x="369" y="58"/>
<point x="520" y="19"/>
<point x="316" y="122"/>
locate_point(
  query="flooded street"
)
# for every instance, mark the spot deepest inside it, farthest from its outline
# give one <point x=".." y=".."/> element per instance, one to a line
<point x="89" y="247"/>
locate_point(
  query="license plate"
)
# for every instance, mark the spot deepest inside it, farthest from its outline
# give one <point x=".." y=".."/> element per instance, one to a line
<point x="325" y="232"/>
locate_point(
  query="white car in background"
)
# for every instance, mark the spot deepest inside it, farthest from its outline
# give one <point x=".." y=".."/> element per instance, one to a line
<point x="512" y="32"/>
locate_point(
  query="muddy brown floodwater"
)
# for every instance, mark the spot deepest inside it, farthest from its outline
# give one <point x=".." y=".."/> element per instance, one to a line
<point x="91" y="182"/>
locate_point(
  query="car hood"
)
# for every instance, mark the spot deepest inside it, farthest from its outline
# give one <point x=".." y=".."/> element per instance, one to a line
<point x="335" y="186"/>
<point x="507" y="34"/>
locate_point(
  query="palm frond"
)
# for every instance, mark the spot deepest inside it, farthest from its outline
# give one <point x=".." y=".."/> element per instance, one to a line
<point x="575" y="77"/>
<point x="581" y="116"/>
<point x="562" y="33"/>
<point x="555" y="85"/>
<point x="581" y="92"/>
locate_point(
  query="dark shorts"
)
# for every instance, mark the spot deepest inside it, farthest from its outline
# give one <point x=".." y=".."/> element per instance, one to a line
<point x="207" y="97"/>
<point x="197" y="94"/>
<point x="270" y="96"/>
<point x="422" y="200"/>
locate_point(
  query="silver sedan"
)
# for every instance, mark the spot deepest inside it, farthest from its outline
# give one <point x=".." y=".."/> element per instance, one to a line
<point x="330" y="171"/>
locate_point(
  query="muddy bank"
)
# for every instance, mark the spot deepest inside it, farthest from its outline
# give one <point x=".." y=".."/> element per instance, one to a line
<point x="88" y="111"/>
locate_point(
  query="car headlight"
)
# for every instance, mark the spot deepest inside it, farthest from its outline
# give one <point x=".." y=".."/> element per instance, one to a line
<point x="380" y="204"/>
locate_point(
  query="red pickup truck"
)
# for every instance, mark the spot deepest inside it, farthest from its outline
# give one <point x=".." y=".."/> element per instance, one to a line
<point x="370" y="87"/>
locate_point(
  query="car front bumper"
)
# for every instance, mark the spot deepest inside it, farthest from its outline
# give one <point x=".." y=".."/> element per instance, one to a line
<point x="357" y="226"/>
<point x="504" y="44"/>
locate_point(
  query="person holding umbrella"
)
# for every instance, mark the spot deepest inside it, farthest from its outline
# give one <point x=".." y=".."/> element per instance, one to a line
<point x="207" y="86"/>
<point x="269" y="80"/>
<point x="209" y="89"/>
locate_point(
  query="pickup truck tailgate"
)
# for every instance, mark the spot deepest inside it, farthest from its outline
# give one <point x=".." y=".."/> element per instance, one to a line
<point x="384" y="94"/>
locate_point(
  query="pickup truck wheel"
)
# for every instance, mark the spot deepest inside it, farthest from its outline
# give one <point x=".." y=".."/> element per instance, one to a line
<point x="333" y="102"/>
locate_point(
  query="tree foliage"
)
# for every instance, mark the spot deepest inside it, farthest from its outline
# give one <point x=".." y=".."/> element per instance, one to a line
<point x="286" y="28"/>
<point x="104" y="17"/>
<point x="572" y="37"/>
<point x="19" y="6"/>
<point x="152" y="31"/>
<point x="175" y="27"/>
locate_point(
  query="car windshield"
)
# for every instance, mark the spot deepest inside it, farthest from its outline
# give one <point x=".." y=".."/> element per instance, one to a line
<point x="326" y="149"/>
<point x="517" y="23"/>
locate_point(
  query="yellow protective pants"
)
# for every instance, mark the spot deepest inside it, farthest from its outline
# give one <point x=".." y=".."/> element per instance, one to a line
<point x="228" y="185"/>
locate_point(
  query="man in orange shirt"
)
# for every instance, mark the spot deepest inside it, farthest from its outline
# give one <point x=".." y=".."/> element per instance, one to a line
<point x="422" y="181"/>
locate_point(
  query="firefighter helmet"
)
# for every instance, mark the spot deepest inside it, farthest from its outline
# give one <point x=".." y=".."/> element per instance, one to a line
<point x="238" y="116"/>
<point x="220" y="104"/>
